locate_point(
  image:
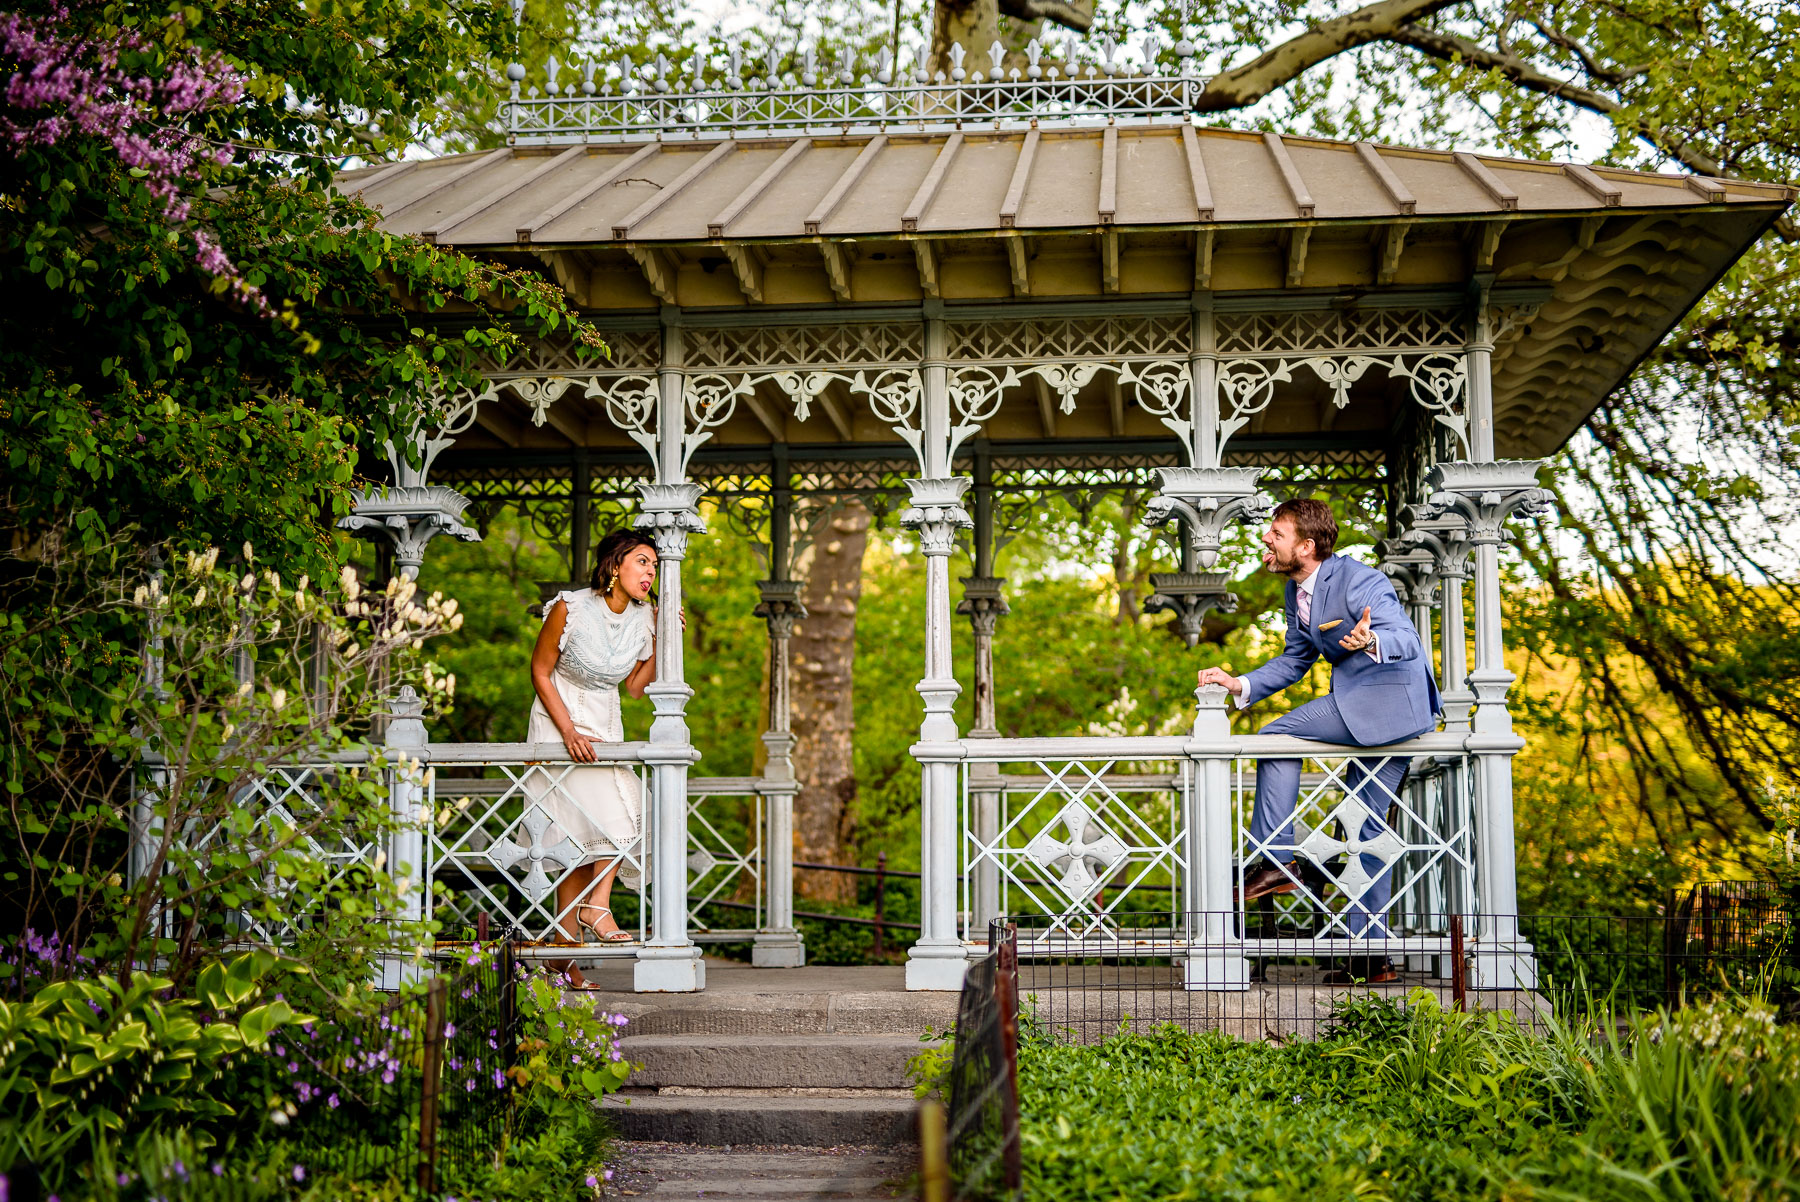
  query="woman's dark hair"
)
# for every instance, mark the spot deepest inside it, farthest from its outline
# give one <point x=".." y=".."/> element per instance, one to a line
<point x="611" y="553"/>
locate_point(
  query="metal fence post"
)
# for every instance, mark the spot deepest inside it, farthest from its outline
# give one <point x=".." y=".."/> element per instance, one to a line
<point x="881" y="903"/>
<point x="1006" y="986"/>
<point x="431" y="1079"/>
<point x="1459" y="976"/>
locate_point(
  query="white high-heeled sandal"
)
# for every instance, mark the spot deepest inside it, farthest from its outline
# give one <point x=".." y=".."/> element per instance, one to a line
<point x="616" y="935"/>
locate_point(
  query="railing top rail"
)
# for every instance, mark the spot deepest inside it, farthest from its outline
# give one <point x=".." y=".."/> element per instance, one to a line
<point x="1178" y="747"/>
<point x="526" y="753"/>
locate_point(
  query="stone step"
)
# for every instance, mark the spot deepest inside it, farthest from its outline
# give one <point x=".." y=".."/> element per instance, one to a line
<point x="765" y="1174"/>
<point x="820" y="1061"/>
<point x="784" y="1013"/>
<point x="721" y="1119"/>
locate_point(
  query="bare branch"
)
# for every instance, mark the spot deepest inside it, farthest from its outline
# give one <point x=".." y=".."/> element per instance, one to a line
<point x="1274" y="69"/>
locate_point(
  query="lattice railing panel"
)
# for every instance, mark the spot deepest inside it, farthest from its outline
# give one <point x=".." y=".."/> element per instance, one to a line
<point x="1084" y="844"/>
<point x="1346" y="816"/>
<point x="495" y="846"/>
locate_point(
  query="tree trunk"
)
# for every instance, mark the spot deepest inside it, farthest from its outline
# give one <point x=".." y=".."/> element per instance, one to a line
<point x="824" y="654"/>
<point x="972" y="24"/>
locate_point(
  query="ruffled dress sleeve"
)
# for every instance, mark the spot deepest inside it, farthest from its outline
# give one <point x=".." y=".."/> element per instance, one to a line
<point x="571" y="599"/>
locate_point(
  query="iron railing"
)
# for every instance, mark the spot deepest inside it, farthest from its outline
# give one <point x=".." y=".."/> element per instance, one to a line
<point x="400" y="1092"/>
<point x="983" y="1120"/>
<point x="1161" y="968"/>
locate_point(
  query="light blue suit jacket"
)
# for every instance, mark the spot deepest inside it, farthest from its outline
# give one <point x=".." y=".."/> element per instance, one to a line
<point x="1381" y="703"/>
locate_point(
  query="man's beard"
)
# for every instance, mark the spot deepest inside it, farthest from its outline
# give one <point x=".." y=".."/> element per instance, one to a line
<point x="1277" y="565"/>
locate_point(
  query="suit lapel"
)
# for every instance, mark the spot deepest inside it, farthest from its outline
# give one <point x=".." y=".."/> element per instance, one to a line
<point x="1323" y="609"/>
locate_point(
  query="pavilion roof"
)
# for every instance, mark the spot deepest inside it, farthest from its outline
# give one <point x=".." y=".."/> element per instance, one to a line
<point x="985" y="182"/>
<point x="1145" y="209"/>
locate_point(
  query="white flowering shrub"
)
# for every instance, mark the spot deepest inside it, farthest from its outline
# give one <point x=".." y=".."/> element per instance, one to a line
<point x="219" y="780"/>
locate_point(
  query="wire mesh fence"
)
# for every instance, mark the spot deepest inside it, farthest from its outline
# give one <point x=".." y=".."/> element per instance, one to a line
<point x="983" y="1121"/>
<point x="1208" y="972"/>
<point x="394" y="1093"/>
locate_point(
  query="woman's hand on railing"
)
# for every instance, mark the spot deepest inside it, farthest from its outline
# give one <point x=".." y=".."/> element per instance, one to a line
<point x="581" y="749"/>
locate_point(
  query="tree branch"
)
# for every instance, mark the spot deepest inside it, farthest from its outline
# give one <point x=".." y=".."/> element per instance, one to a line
<point x="1452" y="49"/>
<point x="1575" y="46"/>
<point x="1240" y="87"/>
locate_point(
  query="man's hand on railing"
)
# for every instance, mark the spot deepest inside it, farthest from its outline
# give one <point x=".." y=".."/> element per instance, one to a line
<point x="581" y="750"/>
<point x="1222" y="676"/>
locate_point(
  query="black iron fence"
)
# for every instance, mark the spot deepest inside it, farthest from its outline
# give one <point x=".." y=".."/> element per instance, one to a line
<point x="398" y="1092"/>
<point x="1208" y="972"/>
<point x="983" y="1121"/>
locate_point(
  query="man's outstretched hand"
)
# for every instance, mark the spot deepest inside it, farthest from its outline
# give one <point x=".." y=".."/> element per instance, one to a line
<point x="1360" y="636"/>
<point x="1222" y="676"/>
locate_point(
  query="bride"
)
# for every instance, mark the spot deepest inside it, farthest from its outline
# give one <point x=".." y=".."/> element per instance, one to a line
<point x="593" y="640"/>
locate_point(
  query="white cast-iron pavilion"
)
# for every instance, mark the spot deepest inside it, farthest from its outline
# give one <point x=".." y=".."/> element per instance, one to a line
<point x="986" y="287"/>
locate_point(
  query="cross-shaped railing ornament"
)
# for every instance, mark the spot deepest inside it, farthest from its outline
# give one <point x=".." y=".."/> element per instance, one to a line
<point x="1080" y="848"/>
<point x="503" y="852"/>
<point x="1352" y="813"/>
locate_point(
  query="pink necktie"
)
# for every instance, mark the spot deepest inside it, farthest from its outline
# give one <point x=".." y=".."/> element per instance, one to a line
<point x="1305" y="609"/>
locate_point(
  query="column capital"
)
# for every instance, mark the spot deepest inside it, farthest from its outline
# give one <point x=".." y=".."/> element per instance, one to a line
<point x="670" y="512"/>
<point x="1190" y="596"/>
<point x="780" y="606"/>
<point x="408" y="517"/>
<point x="936" y="512"/>
<point x="983" y="602"/>
<point x="1485" y="496"/>
<point x="1441" y="541"/>
<point x="1210" y="498"/>
<point x="1411" y="570"/>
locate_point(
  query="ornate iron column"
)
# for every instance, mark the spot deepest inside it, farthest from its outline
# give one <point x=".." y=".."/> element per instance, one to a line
<point x="670" y="962"/>
<point x="779" y="944"/>
<point x="405" y="743"/>
<point x="1485" y="496"/>
<point x="938" y="959"/>
<point x="985" y="604"/>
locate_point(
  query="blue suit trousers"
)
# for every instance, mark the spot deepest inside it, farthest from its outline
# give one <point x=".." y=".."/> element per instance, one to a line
<point x="1278" y="792"/>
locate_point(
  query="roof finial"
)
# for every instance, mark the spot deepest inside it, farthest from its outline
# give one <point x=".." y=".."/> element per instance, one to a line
<point x="1150" y="47"/>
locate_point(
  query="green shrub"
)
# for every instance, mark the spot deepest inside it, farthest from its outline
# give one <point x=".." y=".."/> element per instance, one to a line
<point x="1417" y="1102"/>
<point x="85" y="1064"/>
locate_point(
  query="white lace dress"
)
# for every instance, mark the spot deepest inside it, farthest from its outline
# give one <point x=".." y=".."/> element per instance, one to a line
<point x="599" y="807"/>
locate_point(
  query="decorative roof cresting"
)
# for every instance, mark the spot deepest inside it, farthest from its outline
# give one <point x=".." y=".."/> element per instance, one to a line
<point x="782" y="96"/>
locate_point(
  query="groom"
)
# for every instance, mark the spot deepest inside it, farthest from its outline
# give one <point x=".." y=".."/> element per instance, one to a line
<point x="1382" y="692"/>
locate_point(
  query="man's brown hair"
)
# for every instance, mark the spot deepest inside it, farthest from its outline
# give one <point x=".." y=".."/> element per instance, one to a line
<point x="1312" y="519"/>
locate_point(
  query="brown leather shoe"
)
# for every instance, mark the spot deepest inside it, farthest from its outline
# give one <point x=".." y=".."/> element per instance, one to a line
<point x="1266" y="880"/>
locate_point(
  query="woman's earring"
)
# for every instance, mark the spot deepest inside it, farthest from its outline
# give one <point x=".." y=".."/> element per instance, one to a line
<point x="611" y="581"/>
